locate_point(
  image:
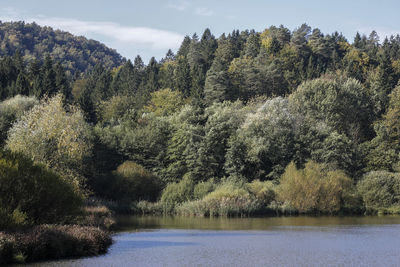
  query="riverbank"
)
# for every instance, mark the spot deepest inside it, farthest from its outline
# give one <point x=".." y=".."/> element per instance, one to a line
<point x="88" y="235"/>
<point x="46" y="242"/>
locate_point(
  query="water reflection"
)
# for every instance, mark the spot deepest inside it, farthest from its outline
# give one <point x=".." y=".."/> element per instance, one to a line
<point x="133" y="223"/>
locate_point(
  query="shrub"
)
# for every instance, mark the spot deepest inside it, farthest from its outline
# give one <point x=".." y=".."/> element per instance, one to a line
<point x="11" y="110"/>
<point x="97" y="216"/>
<point x="133" y="182"/>
<point x="53" y="242"/>
<point x="203" y="188"/>
<point x="12" y="219"/>
<point x="43" y="196"/>
<point x="154" y="208"/>
<point x="231" y="198"/>
<point x="314" y="188"/>
<point x="180" y="192"/>
<point x="263" y="191"/>
<point x="380" y="189"/>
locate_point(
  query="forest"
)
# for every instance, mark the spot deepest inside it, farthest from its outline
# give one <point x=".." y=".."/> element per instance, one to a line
<point x="74" y="53"/>
<point x="276" y="122"/>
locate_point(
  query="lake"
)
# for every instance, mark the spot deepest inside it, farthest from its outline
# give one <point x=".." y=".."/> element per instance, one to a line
<point x="272" y="241"/>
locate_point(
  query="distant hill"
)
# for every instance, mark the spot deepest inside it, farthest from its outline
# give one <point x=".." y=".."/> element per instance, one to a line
<point x="74" y="52"/>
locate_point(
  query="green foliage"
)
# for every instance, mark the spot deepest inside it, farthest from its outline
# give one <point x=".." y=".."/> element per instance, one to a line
<point x="75" y="53"/>
<point x="114" y="108"/>
<point x="203" y="188"/>
<point x="258" y="100"/>
<point x="132" y="182"/>
<point x="339" y="153"/>
<point x="267" y="137"/>
<point x="182" y="148"/>
<point x="165" y="102"/>
<point x="142" y="140"/>
<point x="385" y="147"/>
<point x="176" y="193"/>
<point x="11" y="110"/>
<point x="263" y="191"/>
<point x="30" y="193"/>
<point x="315" y="189"/>
<point x="341" y="103"/>
<point x="223" y="120"/>
<point x="50" y="135"/>
<point x="380" y="189"/>
<point x="39" y="79"/>
<point x="231" y="198"/>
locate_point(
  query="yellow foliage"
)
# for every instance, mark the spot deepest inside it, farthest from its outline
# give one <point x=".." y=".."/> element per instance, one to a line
<point x="344" y="46"/>
<point x="50" y="135"/>
<point x="165" y="102"/>
<point x="314" y="188"/>
<point x="396" y="66"/>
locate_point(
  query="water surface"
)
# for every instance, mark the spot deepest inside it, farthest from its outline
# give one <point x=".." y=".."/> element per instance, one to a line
<point x="277" y="241"/>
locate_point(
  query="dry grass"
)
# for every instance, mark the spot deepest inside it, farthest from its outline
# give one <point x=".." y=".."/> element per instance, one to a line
<point x="52" y="242"/>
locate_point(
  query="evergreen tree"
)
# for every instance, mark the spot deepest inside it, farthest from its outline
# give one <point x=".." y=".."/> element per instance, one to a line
<point x="182" y="77"/>
<point x="48" y="79"/>
<point x="184" y="48"/>
<point x="62" y="83"/>
<point x="124" y="81"/>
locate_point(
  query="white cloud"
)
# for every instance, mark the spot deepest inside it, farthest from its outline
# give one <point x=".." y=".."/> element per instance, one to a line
<point x="180" y="6"/>
<point x="155" y="38"/>
<point x="204" y="11"/>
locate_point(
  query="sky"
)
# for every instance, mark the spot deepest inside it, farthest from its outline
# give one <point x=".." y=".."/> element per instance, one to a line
<point x="150" y="27"/>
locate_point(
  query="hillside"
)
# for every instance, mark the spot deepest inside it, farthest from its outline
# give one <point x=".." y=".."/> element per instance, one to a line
<point x="74" y="52"/>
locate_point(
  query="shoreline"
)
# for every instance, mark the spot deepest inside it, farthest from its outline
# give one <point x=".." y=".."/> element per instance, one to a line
<point x="52" y="242"/>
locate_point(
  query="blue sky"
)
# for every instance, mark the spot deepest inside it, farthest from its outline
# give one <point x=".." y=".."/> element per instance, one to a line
<point x="150" y="27"/>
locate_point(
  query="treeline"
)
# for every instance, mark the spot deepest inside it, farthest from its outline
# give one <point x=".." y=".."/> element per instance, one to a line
<point x="36" y="79"/>
<point x="74" y="53"/>
<point x="250" y="122"/>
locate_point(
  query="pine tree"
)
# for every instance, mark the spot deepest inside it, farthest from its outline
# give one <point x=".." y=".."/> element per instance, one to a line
<point x="48" y="79"/>
<point x="62" y="83"/>
<point x="183" y="80"/>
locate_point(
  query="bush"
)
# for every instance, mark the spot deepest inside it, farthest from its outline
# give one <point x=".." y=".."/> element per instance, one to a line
<point x="380" y="189"/>
<point x="263" y="191"/>
<point x="11" y="110"/>
<point x="154" y="208"/>
<point x="314" y="188"/>
<point x="176" y="193"/>
<point x="34" y="191"/>
<point x="203" y="188"/>
<point x="12" y="219"/>
<point x="133" y="182"/>
<point x="97" y="216"/>
<point x="231" y="198"/>
<point x="52" y="242"/>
